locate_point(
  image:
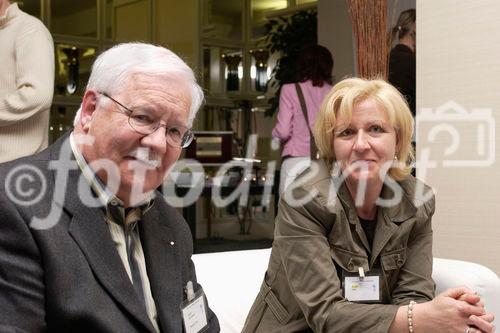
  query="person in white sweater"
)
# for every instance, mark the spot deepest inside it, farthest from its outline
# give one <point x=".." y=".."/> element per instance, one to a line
<point x="26" y="82"/>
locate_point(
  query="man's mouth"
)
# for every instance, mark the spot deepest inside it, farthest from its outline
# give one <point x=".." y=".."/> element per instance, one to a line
<point x="142" y="155"/>
<point x="150" y="163"/>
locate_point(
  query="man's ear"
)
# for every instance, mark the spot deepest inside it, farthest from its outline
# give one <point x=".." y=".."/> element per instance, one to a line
<point x="89" y="106"/>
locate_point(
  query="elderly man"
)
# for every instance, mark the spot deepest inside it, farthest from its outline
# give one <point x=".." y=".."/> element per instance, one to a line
<point x="26" y="82"/>
<point x="86" y="244"/>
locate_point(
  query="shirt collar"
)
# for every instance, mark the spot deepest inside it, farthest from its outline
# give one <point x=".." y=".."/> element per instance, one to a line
<point x="399" y="212"/>
<point x="105" y="195"/>
<point x="10" y="13"/>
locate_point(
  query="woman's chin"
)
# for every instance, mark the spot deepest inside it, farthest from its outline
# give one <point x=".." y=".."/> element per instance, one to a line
<point x="364" y="176"/>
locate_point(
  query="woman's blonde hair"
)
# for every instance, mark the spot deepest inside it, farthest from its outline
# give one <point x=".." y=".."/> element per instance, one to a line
<point x="340" y="101"/>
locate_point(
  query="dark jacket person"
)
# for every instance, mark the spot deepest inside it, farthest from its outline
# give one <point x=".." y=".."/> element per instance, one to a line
<point x="402" y="60"/>
<point x="96" y="248"/>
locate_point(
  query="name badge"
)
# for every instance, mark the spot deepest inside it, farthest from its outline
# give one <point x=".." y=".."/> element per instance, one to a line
<point x="362" y="288"/>
<point x="194" y="310"/>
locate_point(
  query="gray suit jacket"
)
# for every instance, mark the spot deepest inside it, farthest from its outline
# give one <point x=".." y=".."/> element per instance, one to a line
<point x="64" y="273"/>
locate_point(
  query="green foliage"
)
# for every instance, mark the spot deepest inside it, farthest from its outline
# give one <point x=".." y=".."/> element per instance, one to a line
<point x="288" y="35"/>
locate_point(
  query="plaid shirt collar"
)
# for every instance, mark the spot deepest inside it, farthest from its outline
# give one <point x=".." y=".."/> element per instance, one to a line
<point x="115" y="210"/>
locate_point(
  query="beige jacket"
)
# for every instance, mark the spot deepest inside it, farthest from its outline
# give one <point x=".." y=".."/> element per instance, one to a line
<point x="317" y="242"/>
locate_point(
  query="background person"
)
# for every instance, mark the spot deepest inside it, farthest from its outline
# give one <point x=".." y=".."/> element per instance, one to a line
<point x="402" y="63"/>
<point x="314" y="76"/>
<point x="26" y="82"/>
<point x="323" y="246"/>
<point x="115" y="257"/>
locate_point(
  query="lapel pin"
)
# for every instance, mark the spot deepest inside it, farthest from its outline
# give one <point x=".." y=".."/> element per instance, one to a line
<point x="172" y="243"/>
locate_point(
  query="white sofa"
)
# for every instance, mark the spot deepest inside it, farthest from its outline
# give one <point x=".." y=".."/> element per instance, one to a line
<point x="231" y="281"/>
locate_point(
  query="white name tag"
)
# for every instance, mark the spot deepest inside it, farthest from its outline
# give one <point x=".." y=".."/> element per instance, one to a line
<point x="357" y="290"/>
<point x="194" y="313"/>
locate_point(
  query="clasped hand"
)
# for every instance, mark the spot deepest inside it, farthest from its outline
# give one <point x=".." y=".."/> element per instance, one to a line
<point x="456" y="309"/>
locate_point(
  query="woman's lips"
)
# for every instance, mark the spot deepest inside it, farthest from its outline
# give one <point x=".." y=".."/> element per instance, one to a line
<point x="362" y="162"/>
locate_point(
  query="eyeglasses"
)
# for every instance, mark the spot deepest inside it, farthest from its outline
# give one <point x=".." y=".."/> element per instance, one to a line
<point x="144" y="123"/>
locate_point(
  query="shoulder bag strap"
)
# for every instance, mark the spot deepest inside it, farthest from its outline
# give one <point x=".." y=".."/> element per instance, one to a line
<point x="303" y="105"/>
<point x="314" y="149"/>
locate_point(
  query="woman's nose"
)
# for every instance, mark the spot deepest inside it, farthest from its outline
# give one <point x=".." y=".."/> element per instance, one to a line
<point x="361" y="141"/>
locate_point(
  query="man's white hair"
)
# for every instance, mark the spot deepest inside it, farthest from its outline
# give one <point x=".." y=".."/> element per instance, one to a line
<point x="114" y="68"/>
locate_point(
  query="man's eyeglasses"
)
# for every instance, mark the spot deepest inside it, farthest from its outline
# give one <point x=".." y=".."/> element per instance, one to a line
<point x="144" y="123"/>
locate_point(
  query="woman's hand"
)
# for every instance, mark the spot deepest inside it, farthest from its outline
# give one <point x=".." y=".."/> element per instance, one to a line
<point x="477" y="323"/>
<point x="448" y="314"/>
<point x="457" y="310"/>
<point x="482" y="323"/>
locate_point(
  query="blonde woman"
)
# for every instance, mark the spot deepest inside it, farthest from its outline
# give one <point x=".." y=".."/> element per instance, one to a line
<point x="357" y="256"/>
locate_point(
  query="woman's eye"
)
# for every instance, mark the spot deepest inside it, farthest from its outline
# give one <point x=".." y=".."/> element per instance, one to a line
<point x="346" y="132"/>
<point x="376" y="129"/>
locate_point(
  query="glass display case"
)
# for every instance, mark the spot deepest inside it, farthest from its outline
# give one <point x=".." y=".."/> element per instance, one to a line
<point x="80" y="19"/>
<point x="119" y="14"/>
<point x="222" y="62"/>
<point x="73" y="64"/>
<point x="222" y="19"/>
<point x="33" y="7"/>
<point x="81" y="30"/>
<point x="259" y="9"/>
<point x="61" y="120"/>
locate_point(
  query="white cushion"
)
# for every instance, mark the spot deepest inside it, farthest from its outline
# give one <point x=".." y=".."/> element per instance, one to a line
<point x="449" y="273"/>
<point x="231" y="281"/>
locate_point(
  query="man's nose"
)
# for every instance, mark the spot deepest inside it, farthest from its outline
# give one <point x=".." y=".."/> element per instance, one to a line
<point x="157" y="141"/>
